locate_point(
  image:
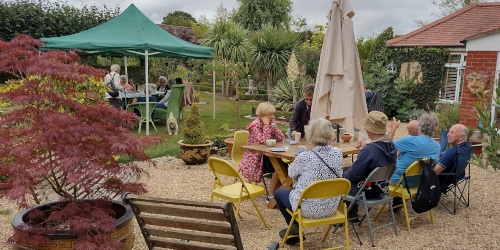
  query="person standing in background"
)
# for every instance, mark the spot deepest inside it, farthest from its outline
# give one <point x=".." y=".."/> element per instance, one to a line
<point x="116" y="102"/>
<point x="302" y="112"/>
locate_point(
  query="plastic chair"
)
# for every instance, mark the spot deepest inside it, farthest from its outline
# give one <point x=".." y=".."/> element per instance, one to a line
<point x="141" y="107"/>
<point x="401" y="191"/>
<point x="459" y="186"/>
<point x="174" y="103"/>
<point x="377" y="175"/>
<point x="318" y="190"/>
<point x="235" y="192"/>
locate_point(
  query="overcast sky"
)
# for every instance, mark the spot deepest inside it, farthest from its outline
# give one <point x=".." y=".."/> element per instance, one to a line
<point x="371" y="18"/>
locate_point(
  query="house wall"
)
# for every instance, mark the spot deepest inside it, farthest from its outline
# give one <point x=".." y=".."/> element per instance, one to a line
<point x="482" y="62"/>
<point x="486" y="43"/>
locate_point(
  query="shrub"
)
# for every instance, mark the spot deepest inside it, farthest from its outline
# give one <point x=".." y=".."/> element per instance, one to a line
<point x="193" y="132"/>
<point x="448" y="115"/>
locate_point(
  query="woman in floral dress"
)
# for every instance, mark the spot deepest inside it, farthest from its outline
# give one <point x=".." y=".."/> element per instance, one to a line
<point x="253" y="165"/>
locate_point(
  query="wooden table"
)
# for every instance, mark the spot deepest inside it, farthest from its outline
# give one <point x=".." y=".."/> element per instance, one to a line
<point x="280" y="167"/>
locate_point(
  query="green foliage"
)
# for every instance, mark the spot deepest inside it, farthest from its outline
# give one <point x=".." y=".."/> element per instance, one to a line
<point x="448" y="115"/>
<point x="218" y="140"/>
<point x="414" y="114"/>
<point x="193" y="132"/>
<point x="287" y="115"/>
<point x="229" y="40"/>
<point x="309" y="59"/>
<point x="222" y="152"/>
<point x="449" y="6"/>
<point x="283" y="92"/>
<point x="491" y="138"/>
<point x="364" y="49"/>
<point x="394" y="91"/>
<point x="257" y="97"/>
<point x="271" y="49"/>
<point x="379" y="50"/>
<point x="44" y="18"/>
<point x="254" y="14"/>
<point x="179" y="18"/>
<point x="317" y="38"/>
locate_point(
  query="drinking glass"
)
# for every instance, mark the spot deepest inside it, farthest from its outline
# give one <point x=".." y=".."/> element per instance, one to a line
<point x="286" y="143"/>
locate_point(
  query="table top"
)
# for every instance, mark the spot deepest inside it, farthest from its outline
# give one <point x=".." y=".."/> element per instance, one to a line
<point x="347" y="149"/>
<point x="135" y="94"/>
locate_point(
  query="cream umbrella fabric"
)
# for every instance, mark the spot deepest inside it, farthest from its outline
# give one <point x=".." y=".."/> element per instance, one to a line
<point x="339" y="93"/>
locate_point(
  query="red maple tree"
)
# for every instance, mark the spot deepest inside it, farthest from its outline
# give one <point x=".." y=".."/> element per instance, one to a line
<point x="61" y="130"/>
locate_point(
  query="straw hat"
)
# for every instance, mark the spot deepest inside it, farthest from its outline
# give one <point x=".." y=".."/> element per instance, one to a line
<point x="375" y="122"/>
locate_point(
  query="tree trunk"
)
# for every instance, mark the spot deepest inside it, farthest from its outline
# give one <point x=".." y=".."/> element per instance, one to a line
<point x="269" y="87"/>
<point x="237" y="125"/>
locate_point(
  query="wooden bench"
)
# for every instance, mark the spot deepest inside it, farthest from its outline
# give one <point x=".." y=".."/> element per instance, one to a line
<point x="180" y="224"/>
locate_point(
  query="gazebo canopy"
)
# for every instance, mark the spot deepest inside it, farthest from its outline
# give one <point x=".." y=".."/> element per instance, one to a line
<point x="129" y="34"/>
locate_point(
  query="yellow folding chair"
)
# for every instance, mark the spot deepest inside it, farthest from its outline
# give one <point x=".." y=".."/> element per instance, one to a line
<point x="236" y="192"/>
<point x="240" y="139"/>
<point x="318" y="190"/>
<point x="400" y="191"/>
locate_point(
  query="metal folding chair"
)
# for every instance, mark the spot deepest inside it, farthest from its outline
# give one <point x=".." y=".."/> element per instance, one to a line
<point x="456" y="183"/>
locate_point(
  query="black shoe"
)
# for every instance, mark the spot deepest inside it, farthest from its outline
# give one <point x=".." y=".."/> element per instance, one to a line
<point x="294" y="231"/>
<point x="355" y="219"/>
<point x="294" y="241"/>
<point x="396" y="201"/>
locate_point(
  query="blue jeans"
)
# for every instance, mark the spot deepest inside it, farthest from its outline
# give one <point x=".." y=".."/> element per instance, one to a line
<point x="282" y="198"/>
<point x="160" y="105"/>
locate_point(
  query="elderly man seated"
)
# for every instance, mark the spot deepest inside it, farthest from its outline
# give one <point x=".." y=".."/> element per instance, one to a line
<point x="455" y="157"/>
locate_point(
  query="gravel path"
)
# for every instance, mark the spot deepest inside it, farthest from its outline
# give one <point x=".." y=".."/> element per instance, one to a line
<point x="474" y="227"/>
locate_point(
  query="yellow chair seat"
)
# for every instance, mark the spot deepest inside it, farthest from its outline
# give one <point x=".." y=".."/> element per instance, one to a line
<point x="403" y="192"/>
<point x="338" y="217"/>
<point x="232" y="192"/>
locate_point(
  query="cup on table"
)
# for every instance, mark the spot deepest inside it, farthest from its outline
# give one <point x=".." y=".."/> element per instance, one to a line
<point x="297" y="136"/>
<point x="286" y="144"/>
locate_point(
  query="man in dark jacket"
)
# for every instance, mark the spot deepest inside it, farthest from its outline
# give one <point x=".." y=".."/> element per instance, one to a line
<point x="380" y="152"/>
<point x="302" y="112"/>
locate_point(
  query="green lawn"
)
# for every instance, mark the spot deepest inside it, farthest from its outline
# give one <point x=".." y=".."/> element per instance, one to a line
<point x="223" y="124"/>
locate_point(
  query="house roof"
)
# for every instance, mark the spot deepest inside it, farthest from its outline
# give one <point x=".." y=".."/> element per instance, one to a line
<point x="472" y="21"/>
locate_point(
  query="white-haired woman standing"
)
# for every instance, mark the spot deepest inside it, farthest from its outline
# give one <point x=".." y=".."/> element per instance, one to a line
<point x="116" y="102"/>
<point x="321" y="163"/>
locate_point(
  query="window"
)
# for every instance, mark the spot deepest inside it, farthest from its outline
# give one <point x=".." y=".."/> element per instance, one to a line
<point x="453" y="78"/>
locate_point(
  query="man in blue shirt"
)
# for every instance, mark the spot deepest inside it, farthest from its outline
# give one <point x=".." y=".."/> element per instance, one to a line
<point x="414" y="148"/>
<point x="455" y="157"/>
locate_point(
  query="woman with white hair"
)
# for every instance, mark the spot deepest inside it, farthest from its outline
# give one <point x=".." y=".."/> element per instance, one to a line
<point x="114" y="75"/>
<point x="321" y="163"/>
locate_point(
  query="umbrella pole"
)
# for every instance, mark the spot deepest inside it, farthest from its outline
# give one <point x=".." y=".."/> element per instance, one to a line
<point x="338" y="133"/>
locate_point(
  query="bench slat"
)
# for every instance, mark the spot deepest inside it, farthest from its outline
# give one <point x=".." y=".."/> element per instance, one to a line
<point x="207" y="226"/>
<point x="187" y="212"/>
<point x="134" y="198"/>
<point x="222" y="239"/>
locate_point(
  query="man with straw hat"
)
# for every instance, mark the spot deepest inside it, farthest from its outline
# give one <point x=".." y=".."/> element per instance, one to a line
<point x="380" y="152"/>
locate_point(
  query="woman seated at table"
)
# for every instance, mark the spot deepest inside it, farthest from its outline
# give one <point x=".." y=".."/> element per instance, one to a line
<point x="253" y="165"/>
<point x="322" y="162"/>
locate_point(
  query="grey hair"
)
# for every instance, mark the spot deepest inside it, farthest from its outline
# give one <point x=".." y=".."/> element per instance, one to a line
<point x="320" y="132"/>
<point x="162" y="78"/>
<point x="124" y="77"/>
<point x="427" y="124"/>
<point x="308" y="90"/>
<point x="114" y="67"/>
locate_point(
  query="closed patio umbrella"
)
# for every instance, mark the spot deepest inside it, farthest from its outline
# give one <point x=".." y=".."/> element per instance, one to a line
<point x="339" y="92"/>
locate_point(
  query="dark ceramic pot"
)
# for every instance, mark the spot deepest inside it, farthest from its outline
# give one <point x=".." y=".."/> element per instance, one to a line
<point x="193" y="154"/>
<point x="66" y="240"/>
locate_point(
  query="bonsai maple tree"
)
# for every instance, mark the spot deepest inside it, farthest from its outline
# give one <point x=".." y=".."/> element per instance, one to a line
<point x="61" y="130"/>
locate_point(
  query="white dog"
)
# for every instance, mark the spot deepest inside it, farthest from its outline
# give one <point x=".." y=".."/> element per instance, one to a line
<point x="172" y="124"/>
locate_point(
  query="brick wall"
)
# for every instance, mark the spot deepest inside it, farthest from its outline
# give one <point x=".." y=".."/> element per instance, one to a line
<point x="482" y="62"/>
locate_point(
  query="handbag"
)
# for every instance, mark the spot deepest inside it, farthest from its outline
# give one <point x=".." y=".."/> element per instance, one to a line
<point x="114" y="90"/>
<point x="335" y="173"/>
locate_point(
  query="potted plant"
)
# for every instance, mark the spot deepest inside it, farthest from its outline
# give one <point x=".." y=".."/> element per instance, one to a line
<point x="195" y="149"/>
<point x="217" y="144"/>
<point x="62" y="131"/>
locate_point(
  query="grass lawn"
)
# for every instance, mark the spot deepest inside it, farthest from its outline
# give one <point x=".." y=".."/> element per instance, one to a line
<point x="223" y="124"/>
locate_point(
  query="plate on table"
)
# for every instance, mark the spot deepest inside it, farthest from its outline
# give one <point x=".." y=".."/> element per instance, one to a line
<point x="277" y="149"/>
<point x="292" y="142"/>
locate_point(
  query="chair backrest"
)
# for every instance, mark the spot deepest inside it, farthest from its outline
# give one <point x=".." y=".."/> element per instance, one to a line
<point x="222" y="167"/>
<point x="240" y="139"/>
<point x="141" y="106"/>
<point x="443" y="140"/>
<point x="326" y="189"/>
<point x="414" y="169"/>
<point x="174" y="101"/>
<point x="379" y="174"/>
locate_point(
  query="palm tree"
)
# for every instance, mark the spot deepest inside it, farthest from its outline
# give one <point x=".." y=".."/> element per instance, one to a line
<point x="230" y="43"/>
<point x="271" y="48"/>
